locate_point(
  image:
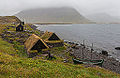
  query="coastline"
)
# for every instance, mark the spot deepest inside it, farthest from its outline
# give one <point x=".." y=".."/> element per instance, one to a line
<point x="17" y="57"/>
<point x="110" y="63"/>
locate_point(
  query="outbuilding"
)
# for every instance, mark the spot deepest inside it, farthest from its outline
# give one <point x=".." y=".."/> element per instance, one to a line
<point x="35" y="43"/>
<point x="19" y="27"/>
<point x="52" y="40"/>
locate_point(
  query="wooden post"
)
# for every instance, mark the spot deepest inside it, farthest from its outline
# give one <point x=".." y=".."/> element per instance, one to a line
<point x="84" y="44"/>
<point x="49" y="55"/>
<point x="82" y="53"/>
<point x="91" y="51"/>
<point x="83" y="48"/>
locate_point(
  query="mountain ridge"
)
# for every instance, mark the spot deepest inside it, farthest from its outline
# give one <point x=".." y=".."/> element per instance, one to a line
<point x="52" y="15"/>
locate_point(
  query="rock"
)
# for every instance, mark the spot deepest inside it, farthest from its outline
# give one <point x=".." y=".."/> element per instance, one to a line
<point x="65" y="60"/>
<point x="9" y="32"/>
<point x="104" y="52"/>
<point x="75" y="47"/>
<point x="50" y="56"/>
<point x="44" y="55"/>
<point x="117" y="48"/>
<point x="71" y="53"/>
<point x="11" y="26"/>
<point x="1" y="62"/>
<point x="20" y="41"/>
<point x="25" y="30"/>
<point x="70" y="50"/>
<point x="70" y="42"/>
<point x="30" y="31"/>
<point x="8" y="28"/>
<point x="77" y="44"/>
<point x="99" y="73"/>
<point x="66" y="41"/>
<point x="115" y="64"/>
<point x="12" y="54"/>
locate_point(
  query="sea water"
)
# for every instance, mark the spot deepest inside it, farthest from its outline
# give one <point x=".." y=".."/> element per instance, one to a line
<point x="103" y="36"/>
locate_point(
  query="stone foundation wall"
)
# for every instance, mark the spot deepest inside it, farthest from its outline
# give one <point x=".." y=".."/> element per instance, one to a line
<point x="31" y="55"/>
<point x="55" y="44"/>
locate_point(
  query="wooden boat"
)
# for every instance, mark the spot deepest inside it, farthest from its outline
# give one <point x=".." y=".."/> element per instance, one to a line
<point x="85" y="61"/>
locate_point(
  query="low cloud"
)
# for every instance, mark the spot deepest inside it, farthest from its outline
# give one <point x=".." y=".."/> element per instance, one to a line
<point x="86" y="7"/>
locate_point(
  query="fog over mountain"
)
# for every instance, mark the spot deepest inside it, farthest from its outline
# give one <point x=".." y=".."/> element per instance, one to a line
<point x="84" y="7"/>
<point x="112" y="7"/>
<point x="52" y="15"/>
<point x="103" y="18"/>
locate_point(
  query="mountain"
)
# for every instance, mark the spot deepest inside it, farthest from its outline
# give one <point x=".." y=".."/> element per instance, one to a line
<point x="103" y="18"/>
<point x="52" y="15"/>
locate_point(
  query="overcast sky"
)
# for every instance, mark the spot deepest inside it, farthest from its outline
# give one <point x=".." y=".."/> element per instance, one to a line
<point x="85" y="7"/>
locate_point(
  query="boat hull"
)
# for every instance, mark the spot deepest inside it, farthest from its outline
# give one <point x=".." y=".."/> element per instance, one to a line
<point x="84" y="61"/>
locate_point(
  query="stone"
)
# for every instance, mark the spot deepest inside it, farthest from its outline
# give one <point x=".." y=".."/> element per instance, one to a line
<point x="65" y="60"/>
<point x="66" y="41"/>
<point x="1" y="62"/>
<point x="9" y="32"/>
<point x="75" y="47"/>
<point x="104" y="52"/>
<point x="117" y="48"/>
<point x="8" y="28"/>
<point x="71" y="53"/>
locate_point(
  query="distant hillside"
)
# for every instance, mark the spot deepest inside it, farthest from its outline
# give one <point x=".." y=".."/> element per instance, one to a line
<point x="52" y="15"/>
<point x="104" y="18"/>
<point x="9" y="19"/>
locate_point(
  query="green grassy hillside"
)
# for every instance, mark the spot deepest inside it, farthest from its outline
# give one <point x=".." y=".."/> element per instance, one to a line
<point x="14" y="66"/>
<point x="14" y="63"/>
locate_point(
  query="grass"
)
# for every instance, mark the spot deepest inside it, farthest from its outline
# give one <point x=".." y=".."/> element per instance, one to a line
<point x="6" y="47"/>
<point x="15" y="64"/>
<point x="46" y="35"/>
<point x="20" y="50"/>
<point x="55" y="41"/>
<point x="2" y="26"/>
<point x="62" y="53"/>
<point x="27" y="67"/>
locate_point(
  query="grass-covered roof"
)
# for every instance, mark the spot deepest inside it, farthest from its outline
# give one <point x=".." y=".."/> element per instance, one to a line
<point x="50" y="36"/>
<point x="32" y="40"/>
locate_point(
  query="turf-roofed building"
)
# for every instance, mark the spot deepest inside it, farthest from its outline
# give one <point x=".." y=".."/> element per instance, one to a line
<point x="52" y="40"/>
<point x="34" y="44"/>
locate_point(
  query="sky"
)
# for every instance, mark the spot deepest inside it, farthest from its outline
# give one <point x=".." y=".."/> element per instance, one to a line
<point x="85" y="7"/>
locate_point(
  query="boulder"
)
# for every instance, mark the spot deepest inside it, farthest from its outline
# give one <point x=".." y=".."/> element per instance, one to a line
<point x="71" y="53"/>
<point x="75" y="47"/>
<point x="65" y="60"/>
<point x="117" y="48"/>
<point x="104" y="52"/>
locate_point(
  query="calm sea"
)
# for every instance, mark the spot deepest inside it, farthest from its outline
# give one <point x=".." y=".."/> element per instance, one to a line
<point x="103" y="36"/>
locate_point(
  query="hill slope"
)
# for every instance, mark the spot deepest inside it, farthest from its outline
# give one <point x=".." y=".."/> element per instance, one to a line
<point x="8" y="19"/>
<point x="13" y="65"/>
<point x="52" y="15"/>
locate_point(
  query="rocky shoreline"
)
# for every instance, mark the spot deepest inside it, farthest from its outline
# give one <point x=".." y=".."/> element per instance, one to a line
<point x="110" y="63"/>
<point x="80" y="52"/>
